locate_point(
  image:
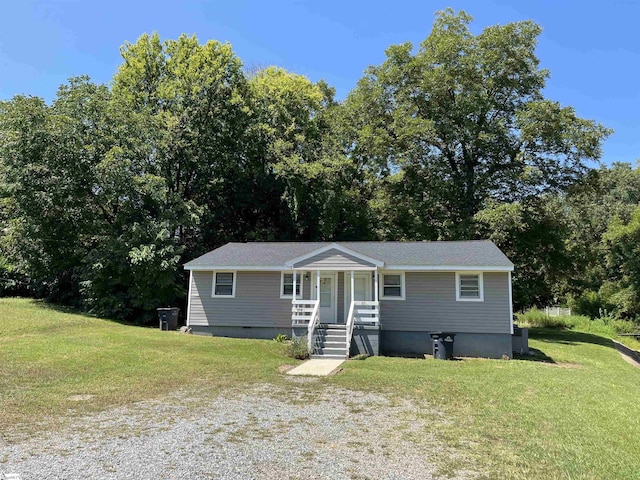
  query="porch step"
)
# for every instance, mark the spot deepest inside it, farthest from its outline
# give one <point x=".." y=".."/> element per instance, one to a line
<point x="314" y="356"/>
<point x="330" y="339"/>
<point x="330" y="351"/>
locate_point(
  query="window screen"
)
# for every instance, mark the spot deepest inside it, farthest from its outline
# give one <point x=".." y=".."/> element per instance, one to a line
<point x="224" y="283"/>
<point x="392" y="286"/>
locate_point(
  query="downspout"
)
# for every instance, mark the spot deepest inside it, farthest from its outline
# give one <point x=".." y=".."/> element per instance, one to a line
<point x="189" y="298"/>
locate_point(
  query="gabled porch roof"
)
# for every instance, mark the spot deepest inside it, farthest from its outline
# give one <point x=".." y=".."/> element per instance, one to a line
<point x="334" y="257"/>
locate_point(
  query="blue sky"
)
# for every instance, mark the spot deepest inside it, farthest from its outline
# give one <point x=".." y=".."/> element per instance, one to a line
<point x="591" y="48"/>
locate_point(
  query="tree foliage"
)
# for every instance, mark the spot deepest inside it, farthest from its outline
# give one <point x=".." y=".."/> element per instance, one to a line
<point x="107" y="190"/>
<point x="465" y="120"/>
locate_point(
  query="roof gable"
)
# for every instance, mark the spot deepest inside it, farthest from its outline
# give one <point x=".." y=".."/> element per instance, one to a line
<point x="336" y="250"/>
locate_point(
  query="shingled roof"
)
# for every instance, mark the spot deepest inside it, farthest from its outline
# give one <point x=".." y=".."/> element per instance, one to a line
<point x="274" y="255"/>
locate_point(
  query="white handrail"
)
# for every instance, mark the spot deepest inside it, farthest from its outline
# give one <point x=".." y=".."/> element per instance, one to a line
<point x="349" y="327"/>
<point x="312" y="324"/>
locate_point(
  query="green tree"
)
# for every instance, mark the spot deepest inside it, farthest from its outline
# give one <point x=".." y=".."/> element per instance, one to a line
<point x="464" y="118"/>
<point x="533" y="235"/>
<point x="622" y="287"/>
<point x="89" y="221"/>
<point x="191" y="100"/>
<point x="295" y="130"/>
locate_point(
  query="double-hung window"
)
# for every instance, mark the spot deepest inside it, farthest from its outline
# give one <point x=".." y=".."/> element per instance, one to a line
<point x="469" y="287"/>
<point x="224" y="284"/>
<point x="286" y="285"/>
<point x="392" y="286"/>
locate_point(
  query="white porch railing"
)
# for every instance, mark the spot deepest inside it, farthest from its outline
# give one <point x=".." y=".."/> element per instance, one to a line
<point x="306" y="313"/>
<point x="302" y="311"/>
<point x="367" y="312"/>
<point x="361" y="312"/>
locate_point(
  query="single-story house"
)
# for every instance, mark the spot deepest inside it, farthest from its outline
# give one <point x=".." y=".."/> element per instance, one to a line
<point x="357" y="297"/>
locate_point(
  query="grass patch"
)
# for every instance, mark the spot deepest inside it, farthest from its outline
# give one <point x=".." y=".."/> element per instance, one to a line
<point x="570" y="412"/>
<point x="52" y="357"/>
<point x="605" y="327"/>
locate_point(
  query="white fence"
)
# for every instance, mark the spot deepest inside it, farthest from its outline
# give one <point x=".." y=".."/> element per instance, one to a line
<point x="557" y="311"/>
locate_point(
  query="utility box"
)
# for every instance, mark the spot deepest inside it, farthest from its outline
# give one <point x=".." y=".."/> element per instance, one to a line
<point x="442" y="343"/>
<point x="168" y="318"/>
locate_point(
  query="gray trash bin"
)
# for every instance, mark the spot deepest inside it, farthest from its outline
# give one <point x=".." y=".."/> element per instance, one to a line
<point x="168" y="318"/>
<point x="442" y="343"/>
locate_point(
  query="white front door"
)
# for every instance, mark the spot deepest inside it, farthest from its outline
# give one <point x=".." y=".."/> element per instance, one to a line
<point x="327" y="292"/>
<point x="361" y="288"/>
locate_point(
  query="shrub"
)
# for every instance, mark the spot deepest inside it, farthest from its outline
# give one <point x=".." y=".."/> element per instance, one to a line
<point x="281" y="338"/>
<point x="623" y="326"/>
<point x="537" y="318"/>
<point x="297" y="348"/>
<point x="589" y="303"/>
<point x="532" y="317"/>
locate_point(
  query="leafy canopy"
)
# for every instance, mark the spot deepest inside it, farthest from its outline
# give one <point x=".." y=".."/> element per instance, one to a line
<point x="464" y="118"/>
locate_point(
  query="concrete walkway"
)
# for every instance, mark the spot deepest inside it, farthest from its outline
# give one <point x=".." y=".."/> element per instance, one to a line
<point x="316" y="367"/>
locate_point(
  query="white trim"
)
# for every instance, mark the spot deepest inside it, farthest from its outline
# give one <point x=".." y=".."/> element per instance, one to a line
<point x="333" y="268"/>
<point x="408" y="268"/>
<point x="480" y="287"/>
<point x="189" y="299"/>
<point x="250" y="268"/>
<point x="291" y="272"/>
<point x="447" y="268"/>
<point x="340" y="248"/>
<point x="403" y="292"/>
<point x="368" y="288"/>
<point x="233" y="287"/>
<point x="376" y="291"/>
<point x="510" y="304"/>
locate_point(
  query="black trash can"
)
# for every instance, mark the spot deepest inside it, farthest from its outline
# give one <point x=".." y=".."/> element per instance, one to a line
<point x="442" y="343"/>
<point x="168" y="318"/>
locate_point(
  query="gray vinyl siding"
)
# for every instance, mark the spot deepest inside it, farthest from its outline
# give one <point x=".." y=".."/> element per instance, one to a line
<point x="333" y="260"/>
<point x="431" y="305"/>
<point x="257" y="302"/>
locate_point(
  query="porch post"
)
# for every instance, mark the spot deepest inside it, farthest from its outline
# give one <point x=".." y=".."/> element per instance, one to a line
<point x="352" y="287"/>
<point x="318" y="285"/>
<point x="375" y="285"/>
<point x="294" y="284"/>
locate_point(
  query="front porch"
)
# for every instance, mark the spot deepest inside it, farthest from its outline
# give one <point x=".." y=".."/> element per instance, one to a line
<point x="333" y="296"/>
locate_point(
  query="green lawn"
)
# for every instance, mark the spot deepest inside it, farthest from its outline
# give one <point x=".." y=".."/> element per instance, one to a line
<point x="48" y="355"/>
<point x="574" y="415"/>
<point x="570" y="412"/>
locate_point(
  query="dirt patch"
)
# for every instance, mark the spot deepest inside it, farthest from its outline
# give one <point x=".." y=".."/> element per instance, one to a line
<point x="285" y="368"/>
<point x="80" y="398"/>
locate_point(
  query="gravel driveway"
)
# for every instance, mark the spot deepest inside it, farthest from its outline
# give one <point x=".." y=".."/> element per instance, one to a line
<point x="298" y="431"/>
